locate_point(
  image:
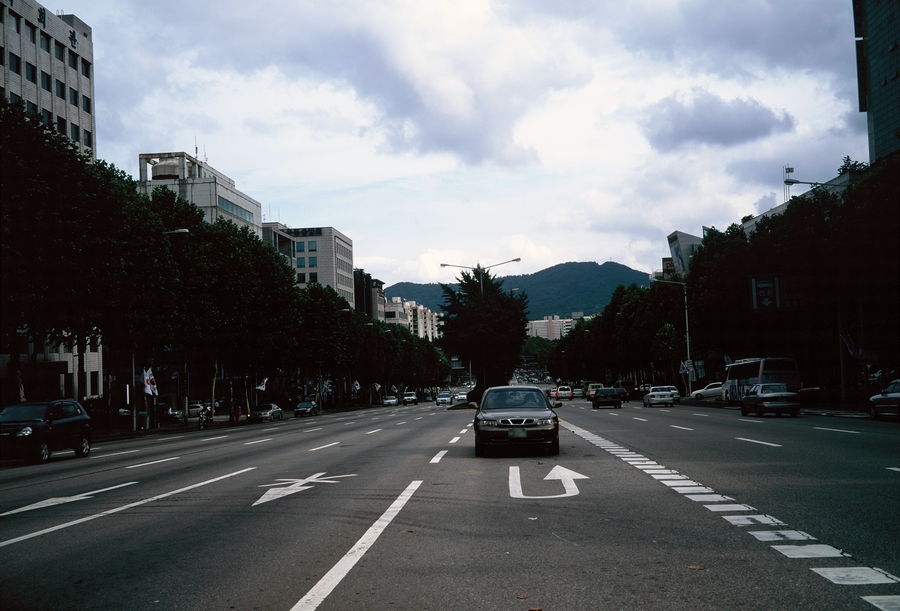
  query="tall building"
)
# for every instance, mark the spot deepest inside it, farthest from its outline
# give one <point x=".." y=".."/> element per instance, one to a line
<point x="877" y="30"/>
<point x="369" y="293"/>
<point x="419" y="319"/>
<point x="550" y="327"/>
<point x="48" y="63"/>
<point x="322" y="255"/>
<point x="200" y="184"/>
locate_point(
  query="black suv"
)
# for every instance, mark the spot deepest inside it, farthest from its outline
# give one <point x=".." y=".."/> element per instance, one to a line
<point x="35" y="429"/>
<point x="607" y="396"/>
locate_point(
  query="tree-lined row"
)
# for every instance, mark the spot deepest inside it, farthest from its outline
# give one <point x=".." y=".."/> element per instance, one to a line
<point x="85" y="257"/>
<point x="836" y="257"/>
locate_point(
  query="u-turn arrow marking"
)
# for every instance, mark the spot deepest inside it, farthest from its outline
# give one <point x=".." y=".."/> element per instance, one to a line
<point x="567" y="476"/>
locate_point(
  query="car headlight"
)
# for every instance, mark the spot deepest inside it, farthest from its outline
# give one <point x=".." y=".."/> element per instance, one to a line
<point x="25" y="432"/>
<point x="546" y="421"/>
<point x="487" y="422"/>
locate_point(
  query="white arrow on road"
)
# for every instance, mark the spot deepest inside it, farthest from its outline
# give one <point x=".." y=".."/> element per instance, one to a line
<point x="567" y="476"/>
<point x="290" y="486"/>
<point x="64" y="499"/>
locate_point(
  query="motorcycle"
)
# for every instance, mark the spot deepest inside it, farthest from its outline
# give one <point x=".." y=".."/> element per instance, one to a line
<point x="205" y="420"/>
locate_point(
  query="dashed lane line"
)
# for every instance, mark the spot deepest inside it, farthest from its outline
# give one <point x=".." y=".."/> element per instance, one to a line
<point x="763" y="443"/>
<point x="437" y="457"/>
<point x="820" y="428"/>
<point x="155" y="462"/>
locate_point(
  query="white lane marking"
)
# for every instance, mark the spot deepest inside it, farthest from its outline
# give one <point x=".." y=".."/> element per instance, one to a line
<point x="250" y="443"/>
<point x="665" y="410"/>
<point x="614" y="414"/>
<point x="703" y="415"/>
<point x="155" y="462"/>
<point x="399" y="423"/>
<point x="437" y="457"/>
<point x="333" y="577"/>
<point x="708" y="498"/>
<point x="454" y="440"/>
<point x="753" y="520"/>
<point x="694" y="490"/>
<point x="462" y="432"/>
<point x="325" y="446"/>
<point x="893" y="468"/>
<point x="170" y="438"/>
<point x="273" y="428"/>
<point x="764" y="443"/>
<point x="375" y="431"/>
<point x="290" y="486"/>
<point x="820" y="428"/>
<point x="132" y="452"/>
<point x="659" y="476"/>
<point x="65" y="499"/>
<point x="122" y="508"/>
<point x="730" y="507"/>
<point x="809" y="551"/>
<point x="420" y="417"/>
<point x="885" y="603"/>
<point x="676" y="482"/>
<point x="641" y="419"/>
<point x="468" y="426"/>
<point x="683" y="428"/>
<point x="312" y="430"/>
<point x="348" y="423"/>
<point x="214" y="438"/>
<point x="856" y="575"/>
<point x="782" y="535"/>
<point x="753" y="421"/>
<point x="567" y="476"/>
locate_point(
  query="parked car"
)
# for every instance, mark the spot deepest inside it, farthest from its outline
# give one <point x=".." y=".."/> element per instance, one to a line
<point x="565" y="392"/>
<point x="711" y="391"/>
<point x="606" y="396"/>
<point x="513" y="416"/>
<point x="444" y="398"/>
<point x="194" y="408"/>
<point x="762" y="398"/>
<point x="265" y="412"/>
<point x="36" y="429"/>
<point x="410" y="397"/>
<point x="888" y="402"/>
<point x="307" y="407"/>
<point x="658" y="395"/>
<point x="676" y="395"/>
<point x="461" y="396"/>
<point x="389" y="400"/>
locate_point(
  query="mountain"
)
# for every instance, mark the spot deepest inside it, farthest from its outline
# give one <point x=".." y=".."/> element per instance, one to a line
<point x="558" y="290"/>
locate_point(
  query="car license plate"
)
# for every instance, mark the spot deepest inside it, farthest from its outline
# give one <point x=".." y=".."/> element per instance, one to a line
<point x="517" y="433"/>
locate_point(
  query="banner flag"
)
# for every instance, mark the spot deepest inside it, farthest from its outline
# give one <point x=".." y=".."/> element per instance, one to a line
<point x="150" y="383"/>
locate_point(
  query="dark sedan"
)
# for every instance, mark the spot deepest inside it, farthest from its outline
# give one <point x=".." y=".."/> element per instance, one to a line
<point x="33" y="430"/>
<point x="606" y="396"/>
<point x="513" y="416"/>
<point x="307" y="407"/>
<point x="886" y="403"/>
<point x="762" y="398"/>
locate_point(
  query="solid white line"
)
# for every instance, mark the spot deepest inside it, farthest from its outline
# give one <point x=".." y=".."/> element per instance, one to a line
<point x="683" y="428"/>
<point x="155" y="462"/>
<point x="214" y="438"/>
<point x="819" y="428"/>
<point x="765" y="443"/>
<point x="122" y="508"/>
<point x="116" y="454"/>
<point x="375" y="431"/>
<point x="333" y="577"/>
<point x="328" y="446"/>
<point x="454" y="440"/>
<point x="437" y="457"/>
<point x="250" y="443"/>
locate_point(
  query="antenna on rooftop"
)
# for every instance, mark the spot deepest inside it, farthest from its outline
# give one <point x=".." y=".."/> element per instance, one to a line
<point x="195" y="146"/>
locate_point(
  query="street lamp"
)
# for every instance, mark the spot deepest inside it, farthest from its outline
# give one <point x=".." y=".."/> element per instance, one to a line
<point x="484" y="269"/>
<point x="687" y="330"/>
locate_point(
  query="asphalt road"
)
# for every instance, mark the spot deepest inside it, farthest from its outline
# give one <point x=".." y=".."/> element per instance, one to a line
<point x="388" y="508"/>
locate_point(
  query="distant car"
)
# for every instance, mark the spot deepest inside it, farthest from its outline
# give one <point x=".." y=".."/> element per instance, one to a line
<point x="592" y="388"/>
<point x="35" y="429"/>
<point x="410" y="397"/>
<point x="444" y="398"/>
<point x="514" y="416"/>
<point x="606" y="396"/>
<point x="711" y="391"/>
<point x="565" y="392"/>
<point x="265" y="412"/>
<point x="551" y="393"/>
<point x="658" y="395"/>
<point x="389" y="400"/>
<point x="461" y="396"/>
<point x="578" y="393"/>
<point x="676" y="396"/>
<point x="623" y="393"/>
<point x="194" y="408"/>
<point x="307" y="407"/>
<point x="888" y="402"/>
<point x="762" y="398"/>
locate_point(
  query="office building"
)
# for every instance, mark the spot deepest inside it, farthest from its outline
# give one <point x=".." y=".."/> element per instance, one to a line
<point x="48" y="64"/>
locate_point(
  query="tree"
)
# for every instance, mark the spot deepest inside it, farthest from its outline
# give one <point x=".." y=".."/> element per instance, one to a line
<point x="485" y="325"/>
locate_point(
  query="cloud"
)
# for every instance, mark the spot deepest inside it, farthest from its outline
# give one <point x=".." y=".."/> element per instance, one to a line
<point x="674" y="123"/>
<point x="764" y="203"/>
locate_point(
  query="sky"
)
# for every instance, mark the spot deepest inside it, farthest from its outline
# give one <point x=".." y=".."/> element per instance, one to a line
<point x="469" y="132"/>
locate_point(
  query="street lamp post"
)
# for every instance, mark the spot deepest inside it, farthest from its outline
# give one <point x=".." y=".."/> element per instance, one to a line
<point x="687" y="329"/>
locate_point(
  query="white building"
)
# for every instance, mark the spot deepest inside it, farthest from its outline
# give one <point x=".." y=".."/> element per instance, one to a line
<point x="550" y="327"/>
<point x="200" y="184"/>
<point x="320" y="255"/>
<point x="48" y="63"/>
<point x="419" y="319"/>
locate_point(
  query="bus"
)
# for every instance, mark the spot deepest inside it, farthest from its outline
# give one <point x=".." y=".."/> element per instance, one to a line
<point x="742" y="374"/>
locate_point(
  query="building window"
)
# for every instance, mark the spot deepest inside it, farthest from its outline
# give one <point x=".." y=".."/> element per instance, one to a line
<point x="301" y="262"/>
<point x="73" y="60"/>
<point x="15" y="22"/>
<point x="75" y="133"/>
<point x="88" y="139"/>
<point x="85" y="68"/>
<point x="85" y="103"/>
<point x="314" y="261"/>
<point x="46" y="81"/>
<point x="312" y="246"/>
<point x="47" y="118"/>
<point x="301" y="277"/>
<point x="60" y="52"/>
<point x="32" y="108"/>
<point x="32" y="33"/>
<point x="61" y="125"/>
<point x="73" y="97"/>
<point x="13" y="97"/>
<point x="300" y="246"/>
<point x="15" y="63"/>
<point x="31" y="72"/>
<point x="60" y="90"/>
<point x="314" y="277"/>
<point x="45" y="42"/>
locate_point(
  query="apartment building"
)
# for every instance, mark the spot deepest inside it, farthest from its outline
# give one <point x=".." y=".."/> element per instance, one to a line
<point x="48" y="64"/>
